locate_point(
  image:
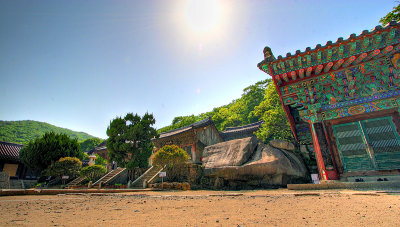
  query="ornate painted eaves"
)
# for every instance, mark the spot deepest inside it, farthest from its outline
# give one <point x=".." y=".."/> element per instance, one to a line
<point x="333" y="56"/>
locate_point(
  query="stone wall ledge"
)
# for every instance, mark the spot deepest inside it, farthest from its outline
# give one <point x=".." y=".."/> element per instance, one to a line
<point x="13" y="192"/>
<point x="387" y="185"/>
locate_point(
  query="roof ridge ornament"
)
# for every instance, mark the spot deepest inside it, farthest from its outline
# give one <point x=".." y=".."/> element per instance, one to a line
<point x="268" y="55"/>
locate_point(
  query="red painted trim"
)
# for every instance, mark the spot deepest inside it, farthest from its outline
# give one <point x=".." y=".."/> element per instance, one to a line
<point x="318" y="155"/>
<point x="323" y="172"/>
<point x="284" y="83"/>
<point x="344" y="42"/>
<point x="332" y="174"/>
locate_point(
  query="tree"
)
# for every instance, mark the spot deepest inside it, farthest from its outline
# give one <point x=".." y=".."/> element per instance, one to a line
<point x="129" y="140"/>
<point x="39" y="154"/>
<point x="68" y="166"/>
<point x="394" y="15"/>
<point x="170" y="155"/>
<point x="100" y="161"/>
<point x="92" y="173"/>
<point x="174" y="159"/>
<point x="241" y="111"/>
<point x="238" y="112"/>
<point x="90" y="144"/>
<point x="276" y="125"/>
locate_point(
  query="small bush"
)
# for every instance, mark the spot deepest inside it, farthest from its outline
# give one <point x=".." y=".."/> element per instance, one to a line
<point x="94" y="172"/>
<point x="67" y="166"/>
<point x="170" y="155"/>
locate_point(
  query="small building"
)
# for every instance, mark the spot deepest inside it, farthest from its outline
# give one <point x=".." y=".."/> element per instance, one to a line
<point x="11" y="164"/>
<point x="102" y="151"/>
<point x="343" y="98"/>
<point x="191" y="138"/>
<point x="232" y="133"/>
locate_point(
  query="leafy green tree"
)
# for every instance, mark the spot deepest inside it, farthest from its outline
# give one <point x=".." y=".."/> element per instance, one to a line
<point x="90" y="143"/>
<point x="170" y="155"/>
<point x="394" y="15"/>
<point x="100" y="161"/>
<point x="129" y="140"/>
<point x="68" y="166"/>
<point x="93" y="173"/>
<point x="276" y="125"/>
<point x="174" y="159"/>
<point x="241" y="111"/>
<point x="41" y="152"/>
<point x="238" y="112"/>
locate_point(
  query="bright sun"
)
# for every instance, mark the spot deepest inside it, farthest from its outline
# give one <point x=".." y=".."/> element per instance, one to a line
<point x="203" y="16"/>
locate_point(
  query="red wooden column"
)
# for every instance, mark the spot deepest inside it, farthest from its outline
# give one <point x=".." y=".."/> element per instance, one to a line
<point x="194" y="155"/>
<point x="323" y="172"/>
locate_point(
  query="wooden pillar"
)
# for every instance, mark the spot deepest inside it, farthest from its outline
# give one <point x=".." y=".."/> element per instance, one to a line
<point x="194" y="152"/>
<point x="325" y="174"/>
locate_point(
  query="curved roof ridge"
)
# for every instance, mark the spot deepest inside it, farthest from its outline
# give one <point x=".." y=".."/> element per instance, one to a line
<point x="243" y="126"/>
<point x="196" y="124"/>
<point x="339" y="40"/>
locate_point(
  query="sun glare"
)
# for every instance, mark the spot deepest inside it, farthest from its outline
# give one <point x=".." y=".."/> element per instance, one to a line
<point x="203" y="16"/>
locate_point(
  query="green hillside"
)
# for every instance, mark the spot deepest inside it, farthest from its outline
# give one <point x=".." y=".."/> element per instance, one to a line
<point x="239" y="112"/>
<point x="23" y="131"/>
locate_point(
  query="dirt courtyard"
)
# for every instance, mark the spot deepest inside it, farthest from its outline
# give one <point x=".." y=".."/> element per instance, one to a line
<point x="205" y="208"/>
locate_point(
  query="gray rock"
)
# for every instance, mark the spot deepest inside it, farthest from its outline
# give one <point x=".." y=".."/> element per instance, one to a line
<point x="230" y="153"/>
<point x="304" y="151"/>
<point x="244" y="162"/>
<point x="282" y="144"/>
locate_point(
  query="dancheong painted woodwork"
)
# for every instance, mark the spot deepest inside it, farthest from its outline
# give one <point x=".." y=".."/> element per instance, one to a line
<point x="344" y="99"/>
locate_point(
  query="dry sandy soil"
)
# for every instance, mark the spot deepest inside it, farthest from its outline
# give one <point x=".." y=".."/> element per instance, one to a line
<point x="204" y="208"/>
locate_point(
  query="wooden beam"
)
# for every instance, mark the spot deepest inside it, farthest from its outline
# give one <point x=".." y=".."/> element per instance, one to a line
<point x="348" y="61"/>
<point x="338" y="64"/>
<point x="308" y="72"/>
<point x="318" y="69"/>
<point x="293" y="75"/>
<point x="328" y="66"/>
<point x="301" y="73"/>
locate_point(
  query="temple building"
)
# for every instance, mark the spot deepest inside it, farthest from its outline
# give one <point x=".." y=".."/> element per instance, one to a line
<point x="102" y="151"/>
<point x="343" y="98"/>
<point x="232" y="133"/>
<point x="11" y="164"/>
<point x="191" y="138"/>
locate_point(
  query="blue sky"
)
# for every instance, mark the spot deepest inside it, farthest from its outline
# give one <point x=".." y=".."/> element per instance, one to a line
<point x="79" y="64"/>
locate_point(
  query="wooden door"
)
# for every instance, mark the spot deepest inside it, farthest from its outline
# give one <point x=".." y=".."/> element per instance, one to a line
<point x="372" y="144"/>
<point x="384" y="142"/>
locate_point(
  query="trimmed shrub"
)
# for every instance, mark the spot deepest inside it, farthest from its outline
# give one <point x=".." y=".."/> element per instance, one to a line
<point x="94" y="172"/>
<point x="67" y="166"/>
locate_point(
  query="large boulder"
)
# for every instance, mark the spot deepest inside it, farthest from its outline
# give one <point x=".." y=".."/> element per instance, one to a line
<point x="282" y="144"/>
<point x="231" y="153"/>
<point x="249" y="163"/>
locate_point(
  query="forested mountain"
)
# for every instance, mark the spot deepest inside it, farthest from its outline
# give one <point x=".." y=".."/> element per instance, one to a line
<point x="23" y="131"/>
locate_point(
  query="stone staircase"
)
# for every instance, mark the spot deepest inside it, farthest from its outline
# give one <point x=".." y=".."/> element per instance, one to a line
<point x="18" y="184"/>
<point x="109" y="176"/>
<point x="149" y="176"/>
<point x="75" y="182"/>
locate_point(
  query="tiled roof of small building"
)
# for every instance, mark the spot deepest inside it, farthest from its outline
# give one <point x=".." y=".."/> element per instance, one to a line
<point x="177" y="131"/>
<point x="332" y="56"/>
<point x="241" y="130"/>
<point x="9" y="151"/>
<point x="101" y="146"/>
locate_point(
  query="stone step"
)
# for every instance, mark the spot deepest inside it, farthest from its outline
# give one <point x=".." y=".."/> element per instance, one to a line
<point x="381" y="185"/>
<point x="109" y="176"/>
<point x="373" y="178"/>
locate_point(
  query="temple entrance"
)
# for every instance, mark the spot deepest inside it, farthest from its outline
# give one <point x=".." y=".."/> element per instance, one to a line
<point x="367" y="145"/>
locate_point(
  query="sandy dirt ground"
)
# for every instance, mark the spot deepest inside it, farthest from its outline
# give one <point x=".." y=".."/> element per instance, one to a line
<point x="205" y="208"/>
